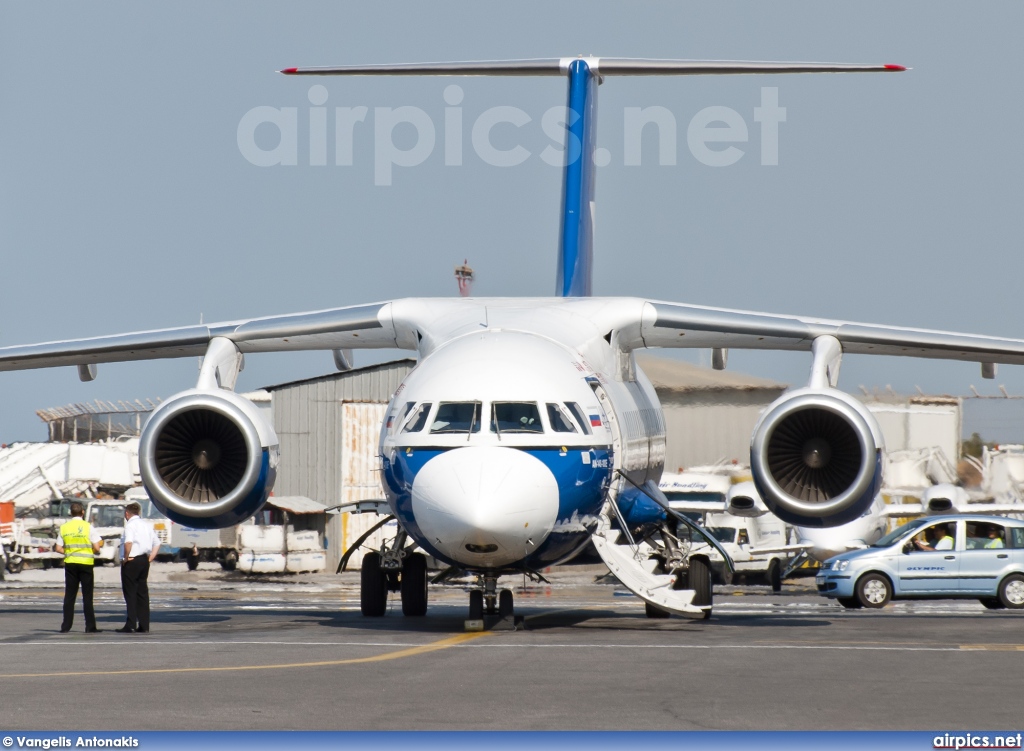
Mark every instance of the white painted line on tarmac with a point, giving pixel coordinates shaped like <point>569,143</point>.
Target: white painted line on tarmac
<point>120,644</point>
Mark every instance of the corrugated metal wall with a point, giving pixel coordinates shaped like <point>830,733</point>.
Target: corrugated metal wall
<point>705,432</point>
<point>310,425</point>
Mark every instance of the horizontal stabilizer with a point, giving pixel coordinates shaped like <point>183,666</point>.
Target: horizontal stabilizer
<point>601,66</point>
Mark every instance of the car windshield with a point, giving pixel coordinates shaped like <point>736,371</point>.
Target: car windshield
<point>515,417</point>
<point>723,534</point>
<point>149,510</point>
<point>899,532</point>
<point>107,516</point>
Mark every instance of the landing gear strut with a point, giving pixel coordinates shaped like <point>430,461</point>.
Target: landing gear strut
<point>487,600</point>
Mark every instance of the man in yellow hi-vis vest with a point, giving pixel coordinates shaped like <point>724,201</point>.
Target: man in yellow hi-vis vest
<point>79,543</point>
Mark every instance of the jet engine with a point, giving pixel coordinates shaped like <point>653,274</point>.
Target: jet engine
<point>816,457</point>
<point>207,458</point>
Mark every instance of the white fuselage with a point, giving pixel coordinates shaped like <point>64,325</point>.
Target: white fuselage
<point>499,448</point>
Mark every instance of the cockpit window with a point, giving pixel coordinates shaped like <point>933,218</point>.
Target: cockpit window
<point>394,421</point>
<point>457,417</point>
<point>515,417</point>
<point>560,422</point>
<point>418,419</point>
<point>580,416</point>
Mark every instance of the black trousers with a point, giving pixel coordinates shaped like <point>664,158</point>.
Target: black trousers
<point>134,585</point>
<point>75,574</point>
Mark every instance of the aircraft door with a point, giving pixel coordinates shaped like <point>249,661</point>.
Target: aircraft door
<point>931,571</point>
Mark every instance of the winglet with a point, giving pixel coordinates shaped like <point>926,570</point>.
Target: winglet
<point>887,67</point>
<point>293,71</point>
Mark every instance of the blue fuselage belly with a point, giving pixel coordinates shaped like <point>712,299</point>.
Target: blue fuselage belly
<point>582,475</point>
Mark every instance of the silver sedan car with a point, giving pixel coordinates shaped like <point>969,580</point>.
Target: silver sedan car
<point>962,556</point>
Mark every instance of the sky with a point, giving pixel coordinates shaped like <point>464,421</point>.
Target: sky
<point>127,203</point>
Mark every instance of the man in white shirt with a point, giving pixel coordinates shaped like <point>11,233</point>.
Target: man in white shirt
<point>139,547</point>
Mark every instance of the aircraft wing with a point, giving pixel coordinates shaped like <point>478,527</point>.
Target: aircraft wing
<point>992,508</point>
<point>356,327</point>
<point>697,507</point>
<point>902,509</point>
<point>798,548</point>
<point>666,324</point>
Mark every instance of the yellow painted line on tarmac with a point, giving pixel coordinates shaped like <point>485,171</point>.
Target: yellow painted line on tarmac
<point>992,647</point>
<point>451,641</point>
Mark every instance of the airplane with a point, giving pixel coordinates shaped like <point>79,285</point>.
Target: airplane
<point>526,430</point>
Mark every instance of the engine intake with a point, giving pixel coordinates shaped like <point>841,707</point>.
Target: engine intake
<point>208,459</point>
<point>816,458</point>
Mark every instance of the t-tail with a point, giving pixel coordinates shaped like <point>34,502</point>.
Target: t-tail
<point>576,236</point>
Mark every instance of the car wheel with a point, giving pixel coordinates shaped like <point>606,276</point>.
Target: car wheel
<point>373,587</point>
<point>849,602</point>
<point>992,603</point>
<point>1011,591</point>
<point>873,591</point>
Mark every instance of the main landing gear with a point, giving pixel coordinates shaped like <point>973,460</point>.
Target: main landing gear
<point>393,569</point>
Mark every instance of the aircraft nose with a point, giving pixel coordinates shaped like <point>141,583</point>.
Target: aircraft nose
<point>485,506</point>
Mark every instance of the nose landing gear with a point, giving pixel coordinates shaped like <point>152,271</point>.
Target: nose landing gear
<point>491,608</point>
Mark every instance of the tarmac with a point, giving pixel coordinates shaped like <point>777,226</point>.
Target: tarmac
<point>233,652</point>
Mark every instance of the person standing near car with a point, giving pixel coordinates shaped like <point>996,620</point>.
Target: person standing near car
<point>79,543</point>
<point>138,549</point>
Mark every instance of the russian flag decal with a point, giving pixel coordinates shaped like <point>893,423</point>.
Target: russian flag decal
<point>391,419</point>
<point>595,421</point>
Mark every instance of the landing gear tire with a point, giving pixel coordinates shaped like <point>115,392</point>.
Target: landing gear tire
<point>373,587</point>
<point>476,605</point>
<point>506,604</point>
<point>655,612</point>
<point>699,580</point>
<point>992,603</point>
<point>874,591</point>
<point>414,585</point>
<point>1011,591</point>
<point>15,564</point>
<point>774,575</point>
<point>230,562</point>
<point>851,603</point>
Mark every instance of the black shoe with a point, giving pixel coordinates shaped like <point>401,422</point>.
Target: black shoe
<point>125,630</point>
<point>64,630</point>
<point>94,631</point>
<point>142,630</point>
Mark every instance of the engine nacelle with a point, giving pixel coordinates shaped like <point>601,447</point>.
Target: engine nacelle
<point>816,458</point>
<point>744,500</point>
<point>945,499</point>
<point>208,459</point>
